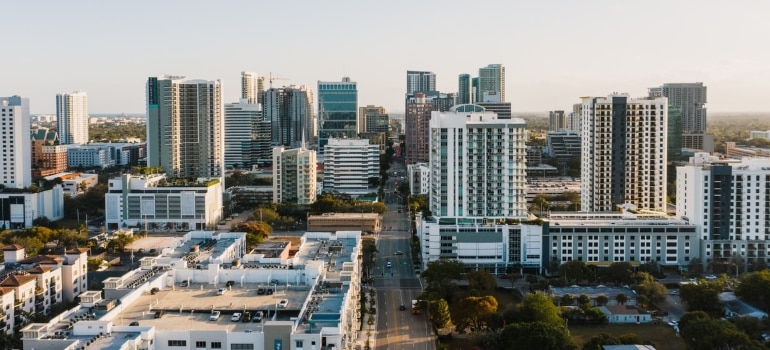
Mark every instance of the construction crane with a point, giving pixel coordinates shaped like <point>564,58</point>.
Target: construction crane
<point>270,79</point>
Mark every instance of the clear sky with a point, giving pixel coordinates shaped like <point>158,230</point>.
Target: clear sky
<point>554,51</point>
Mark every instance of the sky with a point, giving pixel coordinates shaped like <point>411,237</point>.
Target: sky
<point>554,51</point>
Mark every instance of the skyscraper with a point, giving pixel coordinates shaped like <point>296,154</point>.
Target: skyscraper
<point>420,81</point>
<point>16,150</point>
<point>294,175</point>
<point>337,110</point>
<point>623,152</point>
<point>290,112</point>
<point>252,87</point>
<point>417,129</point>
<point>247,135</point>
<point>185,121</point>
<point>350,166</point>
<point>477,163</point>
<point>463,89</point>
<point>491,83</point>
<point>556,121</point>
<point>373,119</point>
<point>72,117</point>
<point>691,98</point>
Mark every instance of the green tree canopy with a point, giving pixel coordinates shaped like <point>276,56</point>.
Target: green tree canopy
<point>535,335</point>
<point>703,296</point>
<point>573,270</point>
<point>755,287</point>
<point>707,333</point>
<point>481,280</point>
<point>472,312</point>
<point>619,273</point>
<point>651,291</point>
<point>538,307</point>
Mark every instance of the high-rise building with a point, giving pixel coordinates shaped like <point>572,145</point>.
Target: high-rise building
<point>477,162</point>
<point>72,117</point>
<point>556,121</point>
<point>185,126</point>
<point>725,198</point>
<point>417,130</point>
<point>16,149</point>
<point>17,100</point>
<point>290,112</point>
<point>294,175</point>
<point>691,98</point>
<point>475,95</point>
<point>337,111</point>
<point>373,119</point>
<point>491,83</point>
<point>350,166</point>
<point>463,89</point>
<point>623,153</point>
<point>252,87</point>
<point>247,135</point>
<point>420,81</point>
<point>575,117</point>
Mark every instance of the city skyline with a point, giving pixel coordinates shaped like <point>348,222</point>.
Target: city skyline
<point>553,53</point>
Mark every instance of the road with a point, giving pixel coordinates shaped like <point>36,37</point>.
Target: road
<point>397,285</point>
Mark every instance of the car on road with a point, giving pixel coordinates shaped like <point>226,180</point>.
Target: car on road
<point>388,265</point>
<point>711,277</point>
<point>398,252</point>
<point>183,284</point>
<point>260,291</point>
<point>236,317</point>
<point>221,291</point>
<point>246,317</point>
<point>214,315</point>
<point>402,307</point>
<point>283,303</point>
<point>269,291</point>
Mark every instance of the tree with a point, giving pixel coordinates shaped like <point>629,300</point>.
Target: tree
<point>602,300</point>
<point>619,273</point>
<point>535,335</point>
<point>652,291</point>
<point>752,326</point>
<point>439,276</point>
<point>537,307</point>
<point>597,342</point>
<point>256,232</point>
<point>572,270</point>
<point>439,312</point>
<point>755,287</point>
<point>481,280</point>
<point>584,301</point>
<point>94,263</point>
<point>703,296</point>
<point>567,300</point>
<point>621,298</point>
<point>471,312</point>
<point>708,333</point>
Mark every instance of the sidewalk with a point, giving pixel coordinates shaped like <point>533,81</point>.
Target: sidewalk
<point>368,331</point>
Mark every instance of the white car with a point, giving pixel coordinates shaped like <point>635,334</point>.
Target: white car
<point>236,317</point>
<point>214,315</point>
<point>283,303</point>
<point>221,291</point>
<point>388,265</point>
<point>673,323</point>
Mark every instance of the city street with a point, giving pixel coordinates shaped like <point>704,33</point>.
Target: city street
<point>398,284</point>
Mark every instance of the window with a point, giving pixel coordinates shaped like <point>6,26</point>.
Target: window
<point>298,344</point>
<point>200,344</point>
<point>241,346</point>
<point>177,343</point>
<point>216,345</point>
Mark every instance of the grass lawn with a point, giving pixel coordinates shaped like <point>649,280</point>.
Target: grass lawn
<point>661,335</point>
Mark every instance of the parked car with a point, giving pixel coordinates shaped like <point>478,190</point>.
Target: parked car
<point>258,316</point>
<point>183,284</point>
<point>283,303</point>
<point>269,291</point>
<point>221,291</point>
<point>402,307</point>
<point>246,317</point>
<point>158,314</point>
<point>388,265</point>
<point>154,290</point>
<point>398,252</point>
<point>214,315</point>
<point>135,323</point>
<point>260,291</point>
<point>236,317</point>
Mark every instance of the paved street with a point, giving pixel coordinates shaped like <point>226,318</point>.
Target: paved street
<point>397,285</point>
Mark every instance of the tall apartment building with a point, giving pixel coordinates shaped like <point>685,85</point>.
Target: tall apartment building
<point>185,125</point>
<point>373,119</point>
<point>691,98</point>
<point>557,121</point>
<point>623,152</point>
<point>247,135</point>
<point>575,117</point>
<point>337,111</point>
<point>290,112</point>
<point>15,147</point>
<point>252,87</point>
<point>727,199</point>
<point>417,129</point>
<point>478,165</point>
<point>17,100</point>
<point>420,81</point>
<point>491,82</point>
<point>350,165</point>
<point>72,117</point>
<point>463,89</point>
<point>294,175</point>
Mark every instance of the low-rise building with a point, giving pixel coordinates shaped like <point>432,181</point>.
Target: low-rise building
<point>611,293</point>
<point>88,156</point>
<point>157,203</point>
<point>419,178</point>
<point>75,184</point>
<point>365,222</point>
<point>619,314</point>
<point>20,208</point>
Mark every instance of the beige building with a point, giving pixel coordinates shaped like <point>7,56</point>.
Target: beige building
<point>365,222</point>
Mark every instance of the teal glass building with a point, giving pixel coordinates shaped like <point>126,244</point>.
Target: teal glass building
<point>337,111</point>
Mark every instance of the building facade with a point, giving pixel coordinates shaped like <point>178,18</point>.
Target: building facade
<point>416,136</point>
<point>350,165</point>
<point>72,117</point>
<point>624,152</point>
<point>15,147</point>
<point>691,98</point>
<point>563,144</point>
<point>420,81</point>
<point>290,112</point>
<point>294,176</point>
<point>247,135</point>
<point>155,203</point>
<point>185,127</point>
<point>252,87</point>
<point>491,83</point>
<point>419,179</point>
<point>20,210</point>
<point>337,111</point>
<point>557,120</point>
<point>90,156</point>
<point>373,119</point>
<point>463,89</point>
<point>478,164</point>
